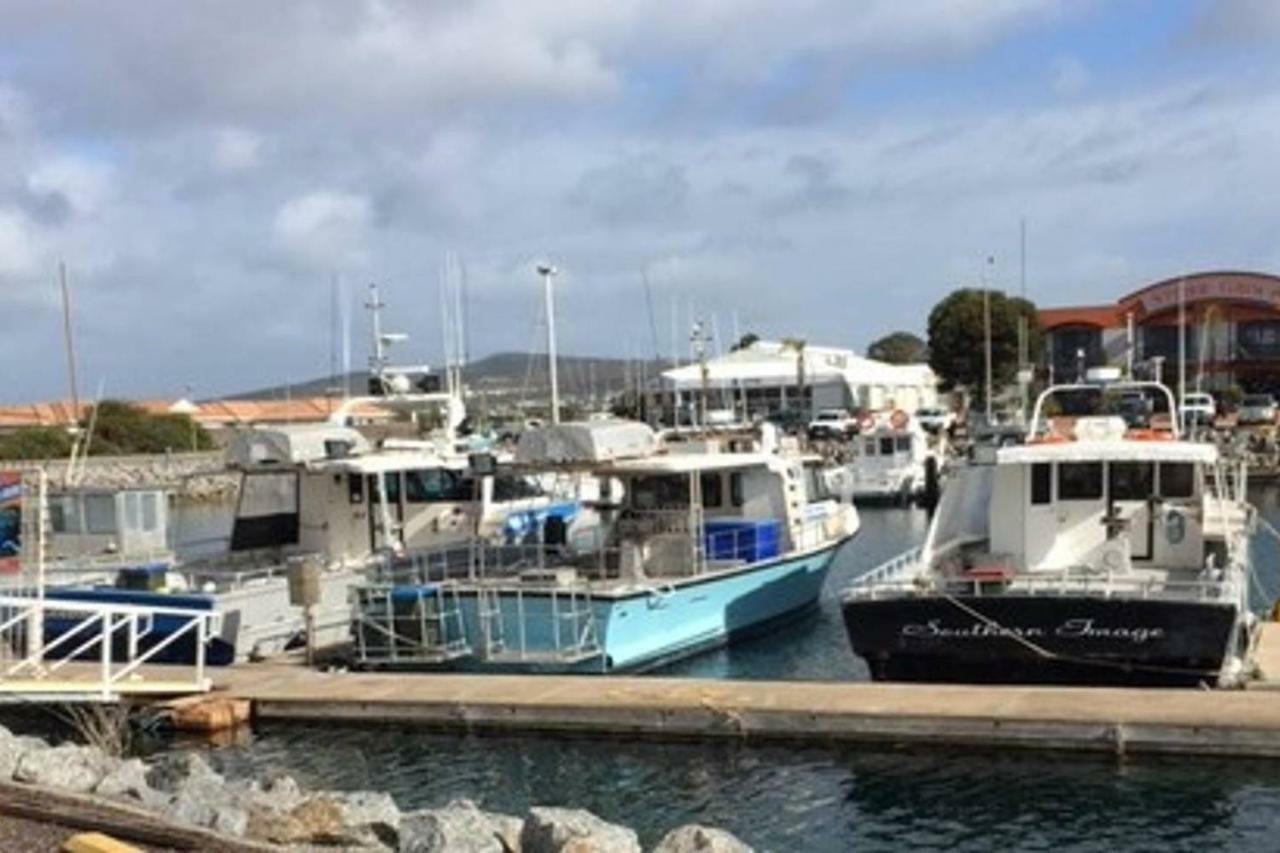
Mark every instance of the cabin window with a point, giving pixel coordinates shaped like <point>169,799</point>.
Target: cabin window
<point>1132,481</point>
<point>1079,481</point>
<point>433,485</point>
<point>886,446</point>
<point>1041,483</point>
<point>1177,480</point>
<point>100,514</point>
<point>660,492</point>
<point>869,448</point>
<point>815,485</point>
<point>735,489</point>
<point>63,517</point>
<point>393,487</point>
<point>355,488</point>
<point>712,496</point>
<point>903,443</point>
<point>150,513</point>
<point>507,487</point>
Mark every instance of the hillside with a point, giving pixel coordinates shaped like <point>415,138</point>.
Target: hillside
<point>501,373</point>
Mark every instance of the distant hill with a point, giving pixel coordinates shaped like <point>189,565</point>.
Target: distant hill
<point>501,374</point>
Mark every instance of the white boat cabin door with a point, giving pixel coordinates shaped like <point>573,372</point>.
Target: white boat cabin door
<point>1130,489</point>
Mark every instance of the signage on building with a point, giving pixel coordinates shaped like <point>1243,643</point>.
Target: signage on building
<point>10,520</point>
<point>1229,288</point>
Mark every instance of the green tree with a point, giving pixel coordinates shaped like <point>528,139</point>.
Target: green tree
<point>899,348</point>
<point>121,428</point>
<point>745,341</point>
<point>35,443</point>
<point>956,339</point>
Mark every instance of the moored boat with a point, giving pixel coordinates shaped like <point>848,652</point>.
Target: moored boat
<point>697,544</point>
<point>1093,554</point>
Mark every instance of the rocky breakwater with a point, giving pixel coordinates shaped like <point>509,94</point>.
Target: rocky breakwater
<point>192,476</point>
<point>183,789</point>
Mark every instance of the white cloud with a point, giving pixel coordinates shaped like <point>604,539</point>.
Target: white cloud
<point>83,184</point>
<point>323,229</point>
<point>21,250</point>
<point>236,149</point>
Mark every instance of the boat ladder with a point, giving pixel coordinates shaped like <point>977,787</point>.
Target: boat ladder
<point>409,624</point>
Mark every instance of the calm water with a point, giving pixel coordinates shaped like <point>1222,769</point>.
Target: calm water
<point>824,799</point>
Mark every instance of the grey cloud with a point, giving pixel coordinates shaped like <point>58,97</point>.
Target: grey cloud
<point>630,191</point>
<point>1235,22</point>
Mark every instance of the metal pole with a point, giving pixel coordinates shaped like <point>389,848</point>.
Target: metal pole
<point>986,324</point>
<point>547,272</point>
<point>1182,347</point>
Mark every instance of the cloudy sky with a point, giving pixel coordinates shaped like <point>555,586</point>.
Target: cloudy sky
<point>815,168</point>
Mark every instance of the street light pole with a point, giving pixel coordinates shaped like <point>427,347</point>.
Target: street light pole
<point>548,272</point>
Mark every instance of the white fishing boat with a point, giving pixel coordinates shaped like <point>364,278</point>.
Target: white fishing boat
<point>891,460</point>
<point>1093,554</point>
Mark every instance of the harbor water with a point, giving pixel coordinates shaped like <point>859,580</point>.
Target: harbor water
<point>789,799</point>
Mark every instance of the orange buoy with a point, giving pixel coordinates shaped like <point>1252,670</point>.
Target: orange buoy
<point>898,419</point>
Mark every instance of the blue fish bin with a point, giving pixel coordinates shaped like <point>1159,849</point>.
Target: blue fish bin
<point>745,539</point>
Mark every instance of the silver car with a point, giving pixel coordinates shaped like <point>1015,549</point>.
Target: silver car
<point>1257,409</point>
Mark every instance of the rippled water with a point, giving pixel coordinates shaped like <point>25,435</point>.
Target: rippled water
<point>779,798</point>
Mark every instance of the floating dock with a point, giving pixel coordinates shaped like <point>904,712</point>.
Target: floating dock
<point>1243,723</point>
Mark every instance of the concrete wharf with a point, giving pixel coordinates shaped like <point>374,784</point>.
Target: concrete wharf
<point>1244,723</point>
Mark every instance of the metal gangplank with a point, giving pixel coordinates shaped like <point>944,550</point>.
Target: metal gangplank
<point>57,650</point>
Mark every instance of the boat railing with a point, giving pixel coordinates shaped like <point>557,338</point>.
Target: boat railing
<point>890,571</point>
<point>95,649</point>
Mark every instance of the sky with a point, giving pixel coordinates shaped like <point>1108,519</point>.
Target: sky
<point>815,169</point>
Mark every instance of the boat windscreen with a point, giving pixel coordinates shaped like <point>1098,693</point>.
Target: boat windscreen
<point>267,516</point>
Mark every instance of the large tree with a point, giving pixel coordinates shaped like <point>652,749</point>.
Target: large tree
<point>898,348</point>
<point>956,339</point>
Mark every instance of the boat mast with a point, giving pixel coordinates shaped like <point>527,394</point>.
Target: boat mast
<point>986,325</point>
<point>547,271</point>
<point>378,358</point>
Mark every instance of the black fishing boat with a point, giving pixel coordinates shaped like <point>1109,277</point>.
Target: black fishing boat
<point>1092,554</point>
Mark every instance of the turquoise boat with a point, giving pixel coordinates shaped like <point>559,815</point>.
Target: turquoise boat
<point>689,547</point>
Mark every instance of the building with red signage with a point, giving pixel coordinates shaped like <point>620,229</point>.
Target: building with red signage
<point>1232,331</point>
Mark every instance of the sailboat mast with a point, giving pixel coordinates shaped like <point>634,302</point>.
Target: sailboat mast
<point>548,272</point>
<point>69,340</point>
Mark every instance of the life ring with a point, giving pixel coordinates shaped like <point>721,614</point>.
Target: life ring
<point>1147,435</point>
<point>898,419</point>
<point>866,421</point>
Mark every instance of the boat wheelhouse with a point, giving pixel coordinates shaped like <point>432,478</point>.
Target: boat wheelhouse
<point>696,543</point>
<point>1093,554</point>
<point>892,460</point>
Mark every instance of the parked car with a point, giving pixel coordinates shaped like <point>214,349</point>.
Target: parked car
<point>833,423</point>
<point>1257,409</point>
<point>1198,408</point>
<point>936,420</point>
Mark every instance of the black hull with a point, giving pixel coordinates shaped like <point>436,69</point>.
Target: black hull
<point>1012,639</point>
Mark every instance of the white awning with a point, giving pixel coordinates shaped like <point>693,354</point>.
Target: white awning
<point>1117,450</point>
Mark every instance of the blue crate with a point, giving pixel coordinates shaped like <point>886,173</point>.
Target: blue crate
<point>746,539</point>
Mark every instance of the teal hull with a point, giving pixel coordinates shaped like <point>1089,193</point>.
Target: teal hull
<point>633,631</point>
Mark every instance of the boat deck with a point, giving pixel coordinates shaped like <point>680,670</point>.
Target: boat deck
<point>1244,723</point>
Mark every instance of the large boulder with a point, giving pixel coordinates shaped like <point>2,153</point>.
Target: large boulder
<point>694,838</point>
<point>176,772</point>
<point>555,830</point>
<point>128,782</point>
<point>12,748</point>
<point>355,820</point>
<point>68,767</point>
<point>459,827</point>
